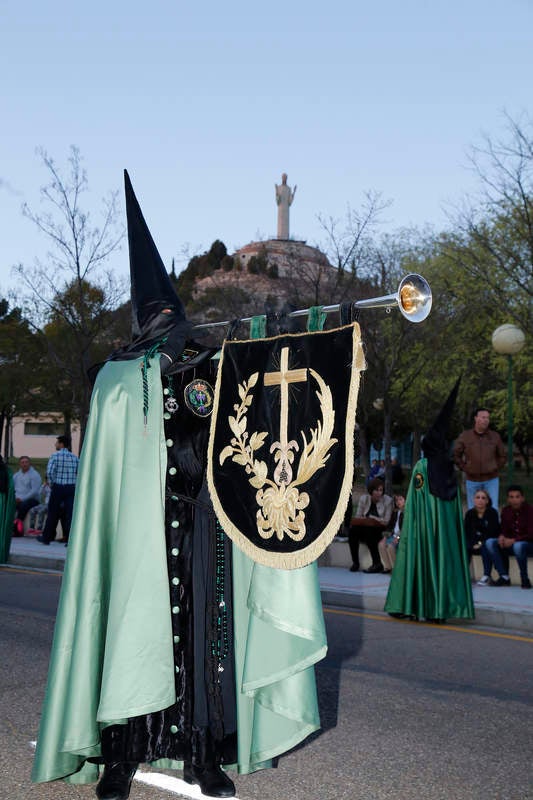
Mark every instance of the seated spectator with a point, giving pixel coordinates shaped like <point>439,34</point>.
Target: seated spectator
<point>391,537</point>
<point>372,517</point>
<point>481,524</point>
<point>27,484</point>
<point>516,538</point>
<point>38,513</point>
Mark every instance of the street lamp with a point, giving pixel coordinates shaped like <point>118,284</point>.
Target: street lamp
<point>508,340</point>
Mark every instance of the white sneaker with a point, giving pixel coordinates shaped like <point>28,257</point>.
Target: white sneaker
<point>484,581</point>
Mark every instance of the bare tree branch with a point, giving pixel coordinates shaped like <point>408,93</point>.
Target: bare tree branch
<point>69,297</point>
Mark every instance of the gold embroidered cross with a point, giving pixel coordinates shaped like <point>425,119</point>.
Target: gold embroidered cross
<point>282,379</point>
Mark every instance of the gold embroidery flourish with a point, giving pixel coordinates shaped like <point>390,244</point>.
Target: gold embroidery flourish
<point>281,504</point>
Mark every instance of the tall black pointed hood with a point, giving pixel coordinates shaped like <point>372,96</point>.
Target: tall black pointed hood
<point>157,313</point>
<point>153,300</point>
<point>436,447</point>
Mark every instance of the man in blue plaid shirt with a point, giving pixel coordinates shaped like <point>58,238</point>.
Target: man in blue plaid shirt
<point>61,473</point>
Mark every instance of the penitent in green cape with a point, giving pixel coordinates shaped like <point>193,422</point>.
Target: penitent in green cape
<point>431,577</point>
<point>112,655</point>
<point>159,656</point>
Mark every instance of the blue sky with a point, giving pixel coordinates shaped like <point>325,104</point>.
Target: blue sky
<point>206,104</point>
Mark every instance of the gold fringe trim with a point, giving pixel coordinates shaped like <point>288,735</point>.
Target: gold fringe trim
<point>305,556</point>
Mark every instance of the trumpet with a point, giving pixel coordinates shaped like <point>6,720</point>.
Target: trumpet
<point>413,298</point>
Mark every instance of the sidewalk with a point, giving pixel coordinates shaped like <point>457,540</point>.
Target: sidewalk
<point>496,607</point>
<point>508,608</point>
<point>25,551</point>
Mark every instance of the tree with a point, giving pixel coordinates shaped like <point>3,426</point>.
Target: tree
<point>369,265</point>
<point>395,358</point>
<point>79,332</point>
<point>20,358</point>
<point>456,341</point>
<point>258,265</point>
<point>349,241</point>
<point>493,236</point>
<point>200,266</point>
<point>69,295</point>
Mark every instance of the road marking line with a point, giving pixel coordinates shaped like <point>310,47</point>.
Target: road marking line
<point>167,782</point>
<point>385,618</point>
<point>32,570</point>
<point>173,785</point>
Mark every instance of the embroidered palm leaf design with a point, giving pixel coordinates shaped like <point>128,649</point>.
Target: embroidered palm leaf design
<point>241,449</point>
<point>281,505</point>
<point>315,453</point>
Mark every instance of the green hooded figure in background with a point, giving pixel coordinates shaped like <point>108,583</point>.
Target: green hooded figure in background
<point>431,577</point>
<point>7,510</point>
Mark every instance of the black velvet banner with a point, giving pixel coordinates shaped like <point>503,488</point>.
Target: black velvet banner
<point>281,459</point>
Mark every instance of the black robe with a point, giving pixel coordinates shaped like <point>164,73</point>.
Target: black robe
<point>200,727</point>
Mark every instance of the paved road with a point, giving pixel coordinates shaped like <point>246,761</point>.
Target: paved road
<point>410,711</point>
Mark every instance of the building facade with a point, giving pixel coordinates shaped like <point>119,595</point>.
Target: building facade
<point>35,436</point>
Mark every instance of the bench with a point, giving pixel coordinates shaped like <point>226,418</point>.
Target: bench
<point>476,569</point>
<point>338,555</point>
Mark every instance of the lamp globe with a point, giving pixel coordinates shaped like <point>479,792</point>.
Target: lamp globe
<point>508,340</point>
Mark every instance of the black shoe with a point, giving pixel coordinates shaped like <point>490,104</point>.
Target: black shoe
<point>374,568</point>
<point>212,781</point>
<point>354,568</point>
<point>116,781</point>
<point>41,540</point>
<point>526,583</point>
<point>501,582</point>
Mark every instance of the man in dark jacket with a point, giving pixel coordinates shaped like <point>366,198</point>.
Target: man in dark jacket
<point>480,454</point>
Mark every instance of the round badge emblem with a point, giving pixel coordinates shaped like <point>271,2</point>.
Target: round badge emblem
<point>419,480</point>
<point>198,395</point>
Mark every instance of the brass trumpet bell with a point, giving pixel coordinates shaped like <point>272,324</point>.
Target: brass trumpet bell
<point>413,297</point>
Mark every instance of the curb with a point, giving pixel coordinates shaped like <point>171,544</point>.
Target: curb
<point>485,617</point>
<point>36,562</point>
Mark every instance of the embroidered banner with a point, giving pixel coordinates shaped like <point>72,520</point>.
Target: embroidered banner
<point>281,459</point>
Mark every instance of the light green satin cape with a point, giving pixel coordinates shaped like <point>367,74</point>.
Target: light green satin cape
<point>7,515</point>
<point>279,636</point>
<point>431,576</point>
<point>112,654</point>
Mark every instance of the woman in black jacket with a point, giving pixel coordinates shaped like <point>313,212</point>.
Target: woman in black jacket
<point>481,523</point>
